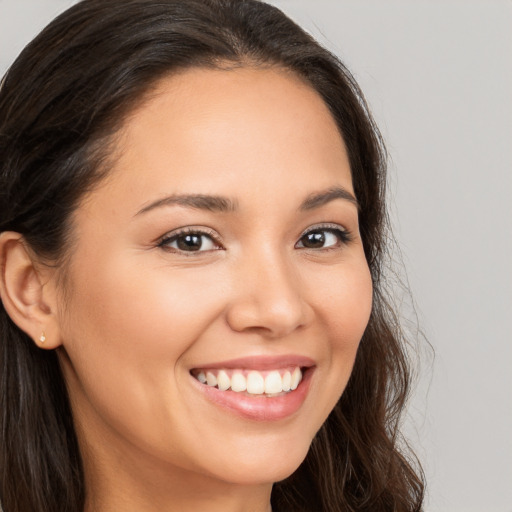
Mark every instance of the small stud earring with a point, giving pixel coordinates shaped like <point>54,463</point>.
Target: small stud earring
<point>42,338</point>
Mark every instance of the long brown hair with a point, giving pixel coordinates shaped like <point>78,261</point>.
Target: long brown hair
<point>61,104</point>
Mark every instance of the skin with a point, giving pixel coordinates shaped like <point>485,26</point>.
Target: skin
<point>137,316</point>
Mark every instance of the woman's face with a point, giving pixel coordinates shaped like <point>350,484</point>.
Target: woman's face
<point>225,246</point>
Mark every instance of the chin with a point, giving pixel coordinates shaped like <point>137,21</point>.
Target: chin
<point>263,466</point>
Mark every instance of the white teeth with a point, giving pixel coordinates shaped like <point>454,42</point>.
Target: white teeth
<point>296,378</point>
<point>238,382</point>
<point>223,381</point>
<point>211,379</point>
<point>287,381</point>
<point>273,383</point>
<point>255,383</point>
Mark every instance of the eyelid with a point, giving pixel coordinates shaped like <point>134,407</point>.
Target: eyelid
<point>333,228</point>
<point>162,242</point>
<point>326,226</point>
<point>189,230</point>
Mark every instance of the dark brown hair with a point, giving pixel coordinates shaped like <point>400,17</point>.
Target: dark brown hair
<point>61,103</point>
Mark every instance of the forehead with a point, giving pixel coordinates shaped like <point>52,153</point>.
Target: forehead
<point>226,131</point>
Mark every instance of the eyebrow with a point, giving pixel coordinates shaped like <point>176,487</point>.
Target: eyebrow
<point>223,204</point>
<point>195,201</point>
<point>318,199</point>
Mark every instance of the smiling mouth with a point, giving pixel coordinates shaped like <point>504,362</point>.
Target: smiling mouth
<point>268,383</point>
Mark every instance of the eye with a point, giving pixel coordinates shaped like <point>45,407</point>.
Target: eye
<point>323,237</point>
<point>190,240</point>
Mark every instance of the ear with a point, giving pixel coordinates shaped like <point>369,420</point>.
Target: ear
<point>27,291</point>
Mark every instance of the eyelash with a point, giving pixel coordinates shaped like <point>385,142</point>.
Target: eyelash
<point>344,237</point>
<point>172,237</point>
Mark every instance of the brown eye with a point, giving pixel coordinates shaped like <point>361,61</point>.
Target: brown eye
<point>313,240</point>
<point>323,238</point>
<point>189,242</point>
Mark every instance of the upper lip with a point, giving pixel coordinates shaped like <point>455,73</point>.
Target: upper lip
<point>259,362</point>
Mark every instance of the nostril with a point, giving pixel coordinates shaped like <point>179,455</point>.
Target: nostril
<point>266,322</point>
<point>268,299</point>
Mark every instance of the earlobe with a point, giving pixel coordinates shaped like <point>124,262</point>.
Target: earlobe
<point>24,294</point>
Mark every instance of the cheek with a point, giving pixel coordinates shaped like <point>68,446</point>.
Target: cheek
<point>345,313</point>
<point>133,306</point>
<point>128,326</point>
<point>347,305</point>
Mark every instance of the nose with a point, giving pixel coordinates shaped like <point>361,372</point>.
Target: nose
<point>269,299</point>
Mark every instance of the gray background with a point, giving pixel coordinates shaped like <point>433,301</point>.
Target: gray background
<point>438,76</point>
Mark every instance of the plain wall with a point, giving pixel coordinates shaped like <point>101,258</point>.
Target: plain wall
<point>438,77</point>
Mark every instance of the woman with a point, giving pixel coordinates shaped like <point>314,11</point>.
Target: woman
<point>192,229</point>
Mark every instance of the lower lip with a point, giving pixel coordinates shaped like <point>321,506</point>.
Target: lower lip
<point>259,407</point>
